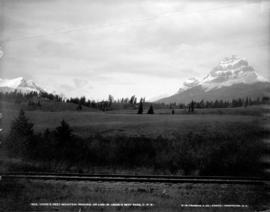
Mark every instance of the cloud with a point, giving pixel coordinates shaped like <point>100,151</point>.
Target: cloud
<point>81,83</point>
<point>97,47</point>
<point>1,53</point>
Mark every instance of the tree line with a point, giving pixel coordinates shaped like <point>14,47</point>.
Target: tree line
<point>19,97</point>
<point>239,102</point>
<point>35,99</point>
<point>104,105</point>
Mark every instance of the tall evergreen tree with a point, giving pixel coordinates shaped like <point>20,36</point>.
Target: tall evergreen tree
<point>192,106</point>
<point>140,110</point>
<point>150,110</point>
<point>110,99</point>
<point>65,144</point>
<point>63,132</point>
<point>20,138</point>
<point>246,102</point>
<point>79,107</point>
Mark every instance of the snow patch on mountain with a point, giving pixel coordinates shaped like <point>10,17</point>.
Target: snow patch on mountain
<point>189,83</point>
<point>155,98</point>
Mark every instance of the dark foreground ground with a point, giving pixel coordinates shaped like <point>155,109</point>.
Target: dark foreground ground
<point>17,195</point>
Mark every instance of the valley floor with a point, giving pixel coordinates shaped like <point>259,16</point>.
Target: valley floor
<point>127,122</point>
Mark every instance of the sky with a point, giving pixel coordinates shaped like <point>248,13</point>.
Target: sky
<point>146,48</point>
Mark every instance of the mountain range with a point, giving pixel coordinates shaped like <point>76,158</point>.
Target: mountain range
<point>232,78</point>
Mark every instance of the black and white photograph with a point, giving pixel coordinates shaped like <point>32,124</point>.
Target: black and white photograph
<point>134,105</point>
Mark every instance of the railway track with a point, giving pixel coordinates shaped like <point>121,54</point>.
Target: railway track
<point>136,178</point>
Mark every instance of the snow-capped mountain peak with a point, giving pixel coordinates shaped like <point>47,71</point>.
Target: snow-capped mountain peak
<point>231,70</point>
<point>19,84</point>
<point>230,62</point>
<point>232,78</point>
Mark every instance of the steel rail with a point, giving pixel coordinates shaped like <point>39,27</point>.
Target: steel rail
<point>136,178</point>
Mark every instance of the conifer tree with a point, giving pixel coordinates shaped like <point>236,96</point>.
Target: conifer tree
<point>63,132</point>
<point>150,110</point>
<point>140,110</point>
<point>20,139</point>
<point>65,144</point>
<point>79,107</point>
<point>246,102</point>
<point>192,106</point>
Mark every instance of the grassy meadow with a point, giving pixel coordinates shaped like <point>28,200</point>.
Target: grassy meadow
<point>127,122</point>
<point>227,141</point>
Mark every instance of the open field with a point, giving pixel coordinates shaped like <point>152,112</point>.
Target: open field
<point>226,143</point>
<point>16,195</point>
<point>131,124</point>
